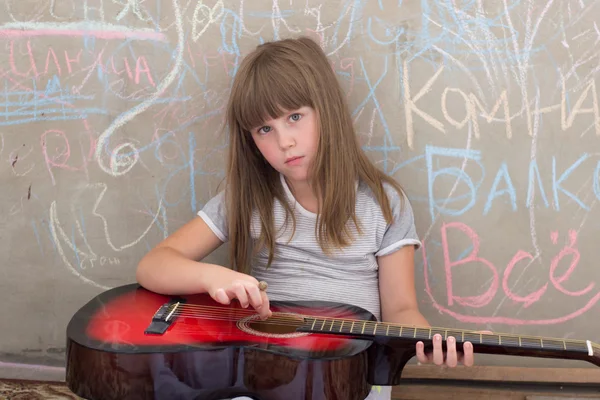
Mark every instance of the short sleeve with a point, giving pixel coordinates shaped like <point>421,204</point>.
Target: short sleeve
<point>214,213</point>
<point>401,231</point>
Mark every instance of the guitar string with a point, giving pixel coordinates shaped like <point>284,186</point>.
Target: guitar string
<point>248,312</point>
<point>298,323</point>
<point>273,321</point>
<point>369,324</point>
<point>295,322</point>
<point>193,328</point>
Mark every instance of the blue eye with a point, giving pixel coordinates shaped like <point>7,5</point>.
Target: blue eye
<point>264,129</point>
<point>295,117</point>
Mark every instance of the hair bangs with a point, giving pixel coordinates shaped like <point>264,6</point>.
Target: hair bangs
<point>273,88</point>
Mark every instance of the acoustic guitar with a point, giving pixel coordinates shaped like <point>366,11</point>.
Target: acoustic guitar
<point>131,343</point>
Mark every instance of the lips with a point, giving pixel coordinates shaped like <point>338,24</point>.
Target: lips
<point>292,159</point>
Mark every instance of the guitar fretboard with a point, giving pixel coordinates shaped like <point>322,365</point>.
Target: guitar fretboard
<point>370,329</point>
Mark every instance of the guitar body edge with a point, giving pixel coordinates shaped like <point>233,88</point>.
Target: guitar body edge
<point>213,375</point>
<point>205,356</point>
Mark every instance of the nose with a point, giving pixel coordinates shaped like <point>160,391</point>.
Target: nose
<point>286,139</point>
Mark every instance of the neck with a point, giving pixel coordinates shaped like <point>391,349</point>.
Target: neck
<point>507,344</point>
<point>304,194</point>
<point>300,188</point>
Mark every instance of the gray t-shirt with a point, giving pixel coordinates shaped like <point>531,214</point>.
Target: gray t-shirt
<point>301,271</point>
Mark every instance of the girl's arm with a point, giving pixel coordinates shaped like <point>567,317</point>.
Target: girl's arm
<point>175,267</point>
<point>399,305</point>
<point>397,288</point>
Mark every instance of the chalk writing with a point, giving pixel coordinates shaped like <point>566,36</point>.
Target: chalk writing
<point>90,11</point>
<point>475,109</point>
<point>87,259</point>
<point>58,64</point>
<point>75,29</point>
<point>205,16</point>
<point>91,262</point>
<point>122,163</point>
<point>590,294</point>
<point>502,186</point>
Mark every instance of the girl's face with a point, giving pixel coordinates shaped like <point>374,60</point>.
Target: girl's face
<point>289,143</point>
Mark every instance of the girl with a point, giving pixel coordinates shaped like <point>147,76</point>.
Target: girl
<point>303,207</point>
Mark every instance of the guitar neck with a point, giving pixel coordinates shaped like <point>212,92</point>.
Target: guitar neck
<point>482,342</point>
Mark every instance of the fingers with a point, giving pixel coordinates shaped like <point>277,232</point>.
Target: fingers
<point>254,296</point>
<point>421,357</point>
<point>438,352</point>
<point>221,297</point>
<point>238,290</point>
<point>258,299</point>
<point>468,354</point>
<point>451,357</point>
<point>248,294</point>
<point>265,308</point>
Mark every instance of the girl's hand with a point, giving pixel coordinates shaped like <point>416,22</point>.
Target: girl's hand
<point>450,358</point>
<point>235,285</point>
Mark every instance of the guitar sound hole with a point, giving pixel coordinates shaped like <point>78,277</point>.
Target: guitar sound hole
<point>281,325</point>
<point>272,328</point>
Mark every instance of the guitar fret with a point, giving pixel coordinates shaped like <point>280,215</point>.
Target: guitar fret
<point>510,340</point>
<point>421,333</point>
<point>334,325</point>
<point>323,325</point>
<point>394,330</point>
<point>456,334</point>
<point>345,328</point>
<point>375,328</point>
<point>490,339</point>
<point>554,344</point>
<point>576,346</point>
<point>472,337</point>
<point>529,342</point>
<point>409,332</point>
<point>315,325</point>
<point>363,328</point>
<point>436,331</point>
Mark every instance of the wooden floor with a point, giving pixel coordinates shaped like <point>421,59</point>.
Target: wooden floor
<point>428,393</point>
<point>495,383</point>
<point>420,383</point>
<point>35,390</point>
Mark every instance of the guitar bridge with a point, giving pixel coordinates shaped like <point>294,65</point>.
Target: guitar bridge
<point>163,317</point>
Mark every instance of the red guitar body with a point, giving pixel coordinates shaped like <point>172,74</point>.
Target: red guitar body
<point>211,351</point>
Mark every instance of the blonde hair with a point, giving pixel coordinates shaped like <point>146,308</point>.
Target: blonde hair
<point>286,75</point>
